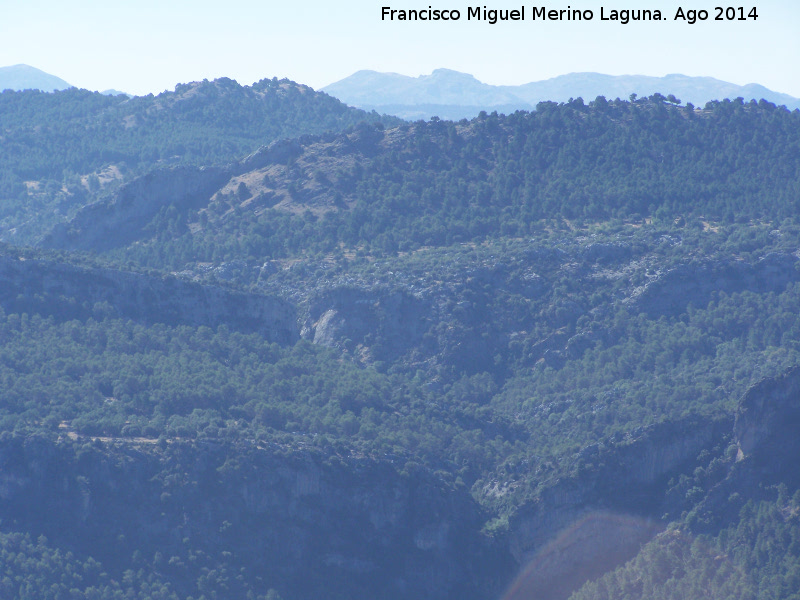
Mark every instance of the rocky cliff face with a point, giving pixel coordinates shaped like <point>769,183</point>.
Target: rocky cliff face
<point>595,543</point>
<point>582,526</point>
<point>694,284</point>
<point>296,522</point>
<point>381,323</point>
<point>768,422</point>
<point>766,436</point>
<point>278,152</point>
<point>69,292</point>
<point>119,221</point>
<point>124,218</point>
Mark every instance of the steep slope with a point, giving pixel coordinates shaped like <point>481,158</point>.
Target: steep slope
<point>435,183</point>
<point>62,149</point>
<point>67,292</point>
<point>440,360</point>
<point>294,523</point>
<point>452,418</point>
<point>741,540</point>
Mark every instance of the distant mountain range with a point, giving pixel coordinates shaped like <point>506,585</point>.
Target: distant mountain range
<point>113,92</point>
<point>454,95</point>
<point>25,77</point>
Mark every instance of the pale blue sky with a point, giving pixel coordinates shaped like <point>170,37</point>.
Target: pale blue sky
<point>148,46</point>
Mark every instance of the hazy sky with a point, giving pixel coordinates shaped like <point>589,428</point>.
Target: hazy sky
<point>149,46</point>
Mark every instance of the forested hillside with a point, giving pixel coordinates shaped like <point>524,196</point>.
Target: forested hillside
<point>60,149</point>
<point>439,183</point>
<point>523,356</point>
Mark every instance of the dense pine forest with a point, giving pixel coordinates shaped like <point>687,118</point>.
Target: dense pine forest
<point>255,344</point>
<point>62,148</point>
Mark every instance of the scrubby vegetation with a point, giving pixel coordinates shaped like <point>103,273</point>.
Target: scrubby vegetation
<point>487,310</point>
<point>440,183</point>
<point>63,148</point>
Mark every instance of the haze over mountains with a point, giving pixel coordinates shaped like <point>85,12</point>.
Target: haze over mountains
<point>24,77</point>
<point>453,95</point>
<point>256,344</point>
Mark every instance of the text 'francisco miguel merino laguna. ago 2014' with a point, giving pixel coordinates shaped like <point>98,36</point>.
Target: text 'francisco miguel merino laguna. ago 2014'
<point>542,13</point>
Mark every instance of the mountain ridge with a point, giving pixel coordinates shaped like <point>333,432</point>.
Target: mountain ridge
<point>454,95</point>
<point>100,141</point>
<point>24,77</point>
<point>388,360</point>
